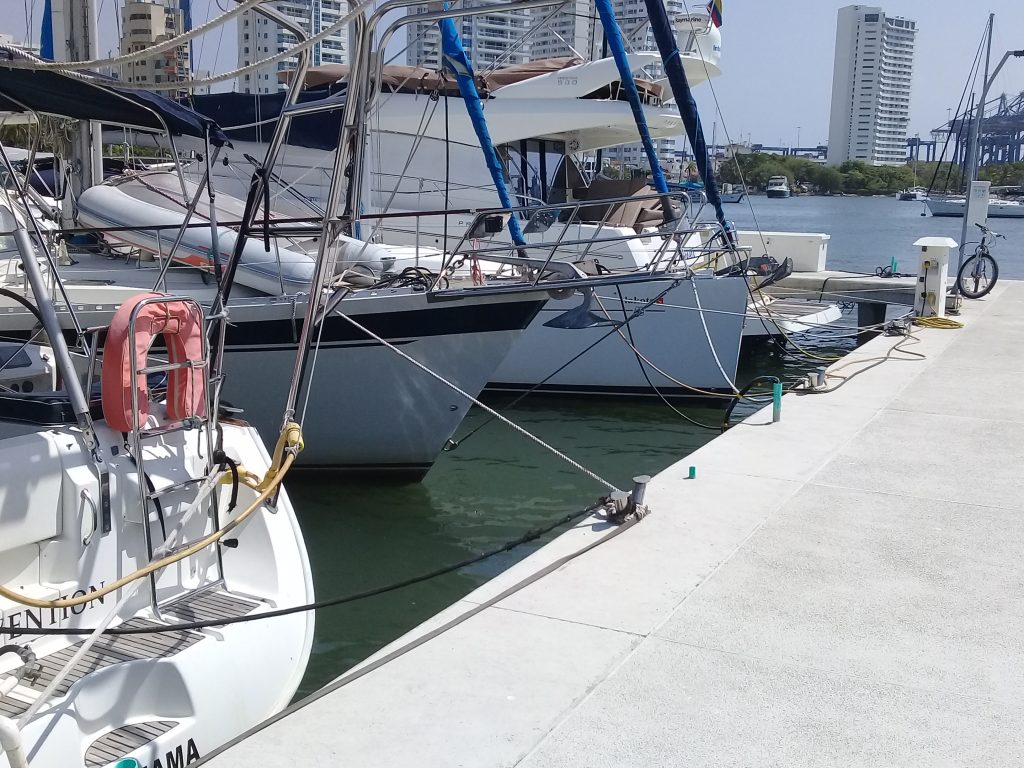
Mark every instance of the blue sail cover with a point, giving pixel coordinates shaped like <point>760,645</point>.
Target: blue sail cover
<point>618,48</point>
<point>666,39</point>
<point>46,33</point>
<point>457,62</point>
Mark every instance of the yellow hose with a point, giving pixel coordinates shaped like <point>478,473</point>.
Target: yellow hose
<point>291,437</point>
<point>938,322</point>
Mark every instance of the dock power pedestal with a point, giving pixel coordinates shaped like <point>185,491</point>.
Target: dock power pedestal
<point>932,275</point>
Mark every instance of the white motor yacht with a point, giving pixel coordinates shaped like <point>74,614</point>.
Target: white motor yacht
<point>778,186</point>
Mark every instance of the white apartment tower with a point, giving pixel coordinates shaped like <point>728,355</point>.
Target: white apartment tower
<point>572,30</point>
<point>259,39</point>
<point>490,40</point>
<point>145,23</point>
<point>871,87</point>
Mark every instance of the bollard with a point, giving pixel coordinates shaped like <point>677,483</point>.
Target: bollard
<point>127,762</point>
<point>693,474</point>
<point>639,488</point>
<point>776,401</point>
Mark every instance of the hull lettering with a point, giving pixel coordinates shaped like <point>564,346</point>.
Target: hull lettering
<point>20,623</point>
<point>178,757</point>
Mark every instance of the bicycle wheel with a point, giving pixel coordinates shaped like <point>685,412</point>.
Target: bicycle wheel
<point>977,276</point>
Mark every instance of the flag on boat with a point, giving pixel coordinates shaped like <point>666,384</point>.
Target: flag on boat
<point>715,12</point>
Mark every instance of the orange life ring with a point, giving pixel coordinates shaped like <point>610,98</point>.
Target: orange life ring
<point>181,323</point>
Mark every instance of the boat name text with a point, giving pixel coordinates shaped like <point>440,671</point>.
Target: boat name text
<point>13,624</point>
<point>178,757</point>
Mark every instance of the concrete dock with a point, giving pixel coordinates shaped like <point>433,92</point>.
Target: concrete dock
<point>842,588</point>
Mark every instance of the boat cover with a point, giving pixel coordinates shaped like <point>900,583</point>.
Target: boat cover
<point>405,79</point>
<point>96,98</point>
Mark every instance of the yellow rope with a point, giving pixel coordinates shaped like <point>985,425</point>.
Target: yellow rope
<point>938,322</point>
<point>291,437</point>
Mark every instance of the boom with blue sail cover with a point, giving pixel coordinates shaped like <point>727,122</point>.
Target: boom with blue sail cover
<point>669,50</point>
<point>457,62</point>
<point>613,36</point>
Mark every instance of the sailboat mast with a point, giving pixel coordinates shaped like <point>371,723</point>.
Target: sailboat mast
<point>75,37</point>
<point>973,144</point>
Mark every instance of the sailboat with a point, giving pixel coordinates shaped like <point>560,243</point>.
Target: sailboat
<point>956,206</point>
<point>425,183</point>
<point>143,533</point>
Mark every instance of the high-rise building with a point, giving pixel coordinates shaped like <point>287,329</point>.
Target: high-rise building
<point>571,30</point>
<point>145,23</point>
<point>491,40</point>
<point>871,87</point>
<point>260,38</point>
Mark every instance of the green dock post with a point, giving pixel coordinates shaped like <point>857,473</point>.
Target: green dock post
<point>776,401</point>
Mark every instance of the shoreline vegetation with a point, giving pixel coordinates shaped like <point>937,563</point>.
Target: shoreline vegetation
<point>858,178</point>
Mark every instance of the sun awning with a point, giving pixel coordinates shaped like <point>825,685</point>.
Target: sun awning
<point>63,94</point>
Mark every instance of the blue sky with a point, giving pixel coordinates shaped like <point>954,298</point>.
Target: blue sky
<point>777,59</point>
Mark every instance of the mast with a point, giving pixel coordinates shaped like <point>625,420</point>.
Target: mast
<point>668,47</point>
<point>74,38</point>
<point>613,38</point>
<point>973,142</point>
<point>459,64</point>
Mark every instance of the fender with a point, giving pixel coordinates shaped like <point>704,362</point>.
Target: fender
<point>181,323</point>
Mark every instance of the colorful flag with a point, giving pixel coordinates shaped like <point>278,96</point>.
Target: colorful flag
<point>715,11</point>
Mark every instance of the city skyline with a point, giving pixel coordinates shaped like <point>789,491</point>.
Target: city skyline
<point>777,61</point>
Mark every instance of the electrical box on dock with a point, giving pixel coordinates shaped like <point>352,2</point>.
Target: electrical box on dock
<point>932,275</point>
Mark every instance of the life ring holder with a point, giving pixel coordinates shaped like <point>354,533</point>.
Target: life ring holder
<point>124,380</point>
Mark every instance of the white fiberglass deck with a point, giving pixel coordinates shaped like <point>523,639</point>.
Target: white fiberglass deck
<point>841,588</point>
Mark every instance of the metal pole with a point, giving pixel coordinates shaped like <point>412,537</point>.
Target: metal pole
<point>972,150</point>
<point>55,333</point>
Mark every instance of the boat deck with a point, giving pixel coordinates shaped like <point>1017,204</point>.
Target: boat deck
<point>833,285</point>
<point>841,588</point>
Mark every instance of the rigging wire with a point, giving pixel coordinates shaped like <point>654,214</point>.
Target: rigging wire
<point>972,77</point>
<point>453,443</point>
<point>145,53</point>
<point>331,602</point>
<point>29,61</point>
<point>508,422</point>
<point>762,305</point>
<point>643,368</point>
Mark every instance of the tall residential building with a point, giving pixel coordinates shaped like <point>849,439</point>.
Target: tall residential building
<point>871,87</point>
<point>259,39</point>
<point>145,23</point>
<point>573,29</point>
<point>488,39</point>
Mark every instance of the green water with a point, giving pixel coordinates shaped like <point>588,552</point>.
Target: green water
<point>497,485</point>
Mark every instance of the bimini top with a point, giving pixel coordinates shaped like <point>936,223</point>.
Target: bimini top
<point>404,79</point>
<point>53,92</point>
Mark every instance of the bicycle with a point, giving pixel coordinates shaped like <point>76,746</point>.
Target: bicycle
<point>979,273</point>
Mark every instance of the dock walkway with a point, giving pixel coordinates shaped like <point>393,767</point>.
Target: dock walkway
<point>841,588</point>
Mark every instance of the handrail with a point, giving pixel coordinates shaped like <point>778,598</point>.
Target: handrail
<point>672,236</point>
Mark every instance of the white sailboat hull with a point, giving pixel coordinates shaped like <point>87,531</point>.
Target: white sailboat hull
<point>369,409</point>
<point>997,209</point>
<point>697,350</point>
<point>164,699</point>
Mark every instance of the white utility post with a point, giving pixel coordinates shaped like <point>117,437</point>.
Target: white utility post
<point>932,275</point>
